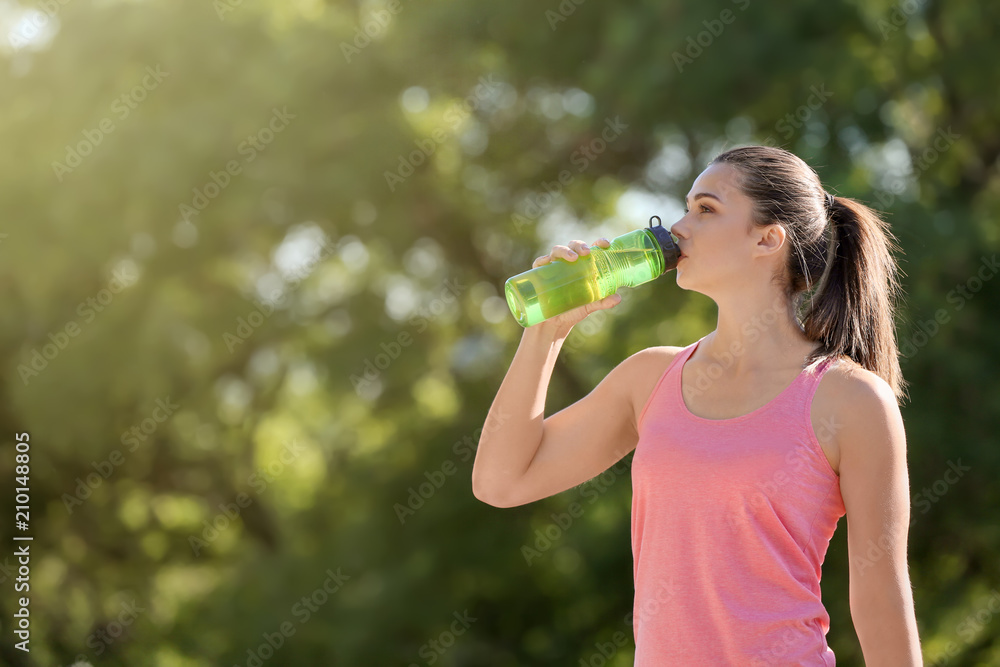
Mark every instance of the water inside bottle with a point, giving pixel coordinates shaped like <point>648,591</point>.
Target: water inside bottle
<point>535,296</point>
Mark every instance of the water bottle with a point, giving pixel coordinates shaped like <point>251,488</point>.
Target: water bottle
<point>554,288</point>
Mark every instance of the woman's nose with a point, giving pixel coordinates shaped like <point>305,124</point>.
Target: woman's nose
<point>678,229</point>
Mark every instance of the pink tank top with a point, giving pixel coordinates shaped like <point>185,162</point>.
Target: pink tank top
<point>731,520</point>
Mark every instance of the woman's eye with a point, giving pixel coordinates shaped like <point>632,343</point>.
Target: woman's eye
<point>700,207</point>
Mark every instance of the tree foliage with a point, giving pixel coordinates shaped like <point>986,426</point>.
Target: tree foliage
<point>253,266</point>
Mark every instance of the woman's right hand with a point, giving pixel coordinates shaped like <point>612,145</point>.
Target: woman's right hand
<point>564,322</point>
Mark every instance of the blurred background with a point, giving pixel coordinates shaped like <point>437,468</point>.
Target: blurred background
<point>252,264</point>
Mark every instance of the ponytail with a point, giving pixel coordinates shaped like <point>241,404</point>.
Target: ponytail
<point>852,309</point>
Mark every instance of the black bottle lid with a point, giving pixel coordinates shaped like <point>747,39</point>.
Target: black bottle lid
<point>671,253</point>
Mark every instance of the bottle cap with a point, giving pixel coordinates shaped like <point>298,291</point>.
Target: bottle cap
<point>671,253</point>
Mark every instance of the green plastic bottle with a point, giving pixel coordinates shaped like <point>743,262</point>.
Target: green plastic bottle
<point>554,288</point>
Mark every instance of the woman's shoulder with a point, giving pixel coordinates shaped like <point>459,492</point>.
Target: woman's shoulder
<point>851,380</point>
<point>660,351</point>
<point>850,404</point>
<point>854,394</point>
<point>648,360</point>
<point>645,368</point>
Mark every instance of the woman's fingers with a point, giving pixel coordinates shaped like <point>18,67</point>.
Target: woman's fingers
<point>565,252</point>
<point>569,252</point>
<point>558,251</point>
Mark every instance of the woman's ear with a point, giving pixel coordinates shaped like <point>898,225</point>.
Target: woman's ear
<point>771,239</point>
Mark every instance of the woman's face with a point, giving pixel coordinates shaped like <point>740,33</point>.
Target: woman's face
<point>714,235</point>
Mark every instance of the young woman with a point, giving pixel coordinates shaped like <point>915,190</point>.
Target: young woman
<point>751,442</point>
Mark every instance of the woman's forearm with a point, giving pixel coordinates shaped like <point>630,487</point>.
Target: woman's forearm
<point>513,428</point>
<point>886,624</point>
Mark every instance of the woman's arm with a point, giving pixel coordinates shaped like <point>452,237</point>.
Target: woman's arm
<point>514,424</point>
<point>874,484</point>
<point>523,456</point>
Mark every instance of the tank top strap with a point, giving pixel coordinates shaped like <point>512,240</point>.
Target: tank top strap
<point>675,365</point>
<point>808,382</point>
<point>686,353</point>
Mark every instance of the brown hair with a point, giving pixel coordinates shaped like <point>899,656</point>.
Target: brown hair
<point>840,257</point>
